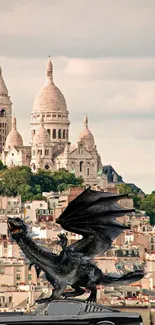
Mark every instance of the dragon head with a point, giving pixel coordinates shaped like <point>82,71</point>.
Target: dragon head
<point>17,227</point>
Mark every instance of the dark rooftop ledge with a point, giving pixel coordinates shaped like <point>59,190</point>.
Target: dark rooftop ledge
<point>71,311</point>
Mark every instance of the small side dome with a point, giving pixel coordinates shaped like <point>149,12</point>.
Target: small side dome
<point>41,136</point>
<point>14,138</point>
<point>86,136</point>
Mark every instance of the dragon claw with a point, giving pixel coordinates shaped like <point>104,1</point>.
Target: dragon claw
<point>62,241</point>
<point>62,236</point>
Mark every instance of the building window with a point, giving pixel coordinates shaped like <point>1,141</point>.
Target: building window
<point>46,152</point>
<point>81,165</point>
<point>29,276</point>
<point>54,134</point>
<point>18,276</point>
<point>59,134</point>
<point>63,134</point>
<point>34,152</point>
<point>3,113</point>
<point>53,115</point>
<point>49,131</point>
<point>66,134</point>
<point>47,167</point>
<point>59,115</point>
<point>2,271</point>
<point>81,149</point>
<point>87,171</point>
<point>40,152</point>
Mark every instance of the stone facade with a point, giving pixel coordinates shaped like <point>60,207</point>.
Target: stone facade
<point>50,147</point>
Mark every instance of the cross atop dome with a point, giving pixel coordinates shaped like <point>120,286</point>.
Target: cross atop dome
<point>49,68</point>
<point>86,121</point>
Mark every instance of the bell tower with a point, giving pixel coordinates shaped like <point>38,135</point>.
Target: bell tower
<point>5,112</point>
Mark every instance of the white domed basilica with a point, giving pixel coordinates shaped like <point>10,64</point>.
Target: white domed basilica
<point>50,146</point>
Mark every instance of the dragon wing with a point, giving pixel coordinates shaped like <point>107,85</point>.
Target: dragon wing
<point>93,215</point>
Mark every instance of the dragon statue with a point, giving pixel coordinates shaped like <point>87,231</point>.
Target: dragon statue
<point>93,216</point>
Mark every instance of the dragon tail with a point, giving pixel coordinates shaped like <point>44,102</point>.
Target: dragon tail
<point>114,279</point>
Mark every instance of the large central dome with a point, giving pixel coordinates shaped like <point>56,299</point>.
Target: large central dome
<point>49,99</point>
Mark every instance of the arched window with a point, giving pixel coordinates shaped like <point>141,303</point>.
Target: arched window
<point>88,168</point>
<point>2,112</point>
<point>81,165</point>
<point>73,167</point>
<point>80,149</point>
<point>47,166</point>
<point>66,134</point>
<point>54,134</point>
<point>49,131</point>
<point>63,134</point>
<point>33,166</point>
<point>59,134</point>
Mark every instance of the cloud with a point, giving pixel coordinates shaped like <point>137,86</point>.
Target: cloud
<point>76,29</point>
<point>91,86</point>
<point>112,68</point>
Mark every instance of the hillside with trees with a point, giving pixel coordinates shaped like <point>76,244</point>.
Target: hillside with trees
<point>144,203</point>
<point>21,181</point>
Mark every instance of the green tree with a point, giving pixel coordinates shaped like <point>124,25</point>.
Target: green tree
<point>21,181</point>
<point>2,166</point>
<point>45,179</point>
<point>124,189</point>
<point>64,177</point>
<point>148,205</point>
<point>12,178</point>
<point>26,192</point>
<point>137,200</point>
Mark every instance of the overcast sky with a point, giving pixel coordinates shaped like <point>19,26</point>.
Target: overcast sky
<point>103,52</point>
